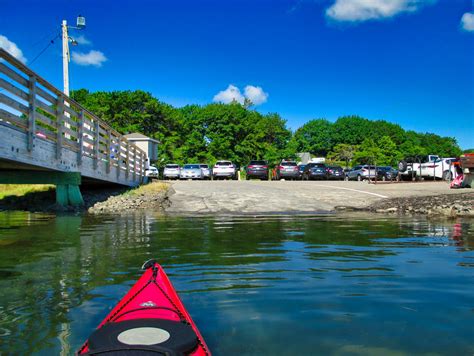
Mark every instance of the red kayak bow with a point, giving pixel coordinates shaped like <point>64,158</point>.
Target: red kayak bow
<point>149,320</point>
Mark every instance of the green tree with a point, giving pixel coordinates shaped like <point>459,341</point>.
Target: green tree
<point>368,153</point>
<point>389,155</point>
<point>316,137</point>
<point>351,130</point>
<point>343,152</point>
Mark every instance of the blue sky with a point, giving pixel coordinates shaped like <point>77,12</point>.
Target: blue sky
<point>410,62</point>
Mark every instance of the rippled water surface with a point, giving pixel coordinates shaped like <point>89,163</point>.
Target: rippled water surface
<point>254,286</point>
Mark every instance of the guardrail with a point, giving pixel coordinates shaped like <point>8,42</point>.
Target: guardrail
<point>33,105</point>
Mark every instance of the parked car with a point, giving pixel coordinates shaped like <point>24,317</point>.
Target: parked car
<point>411,167</point>
<point>335,172</point>
<point>361,172</point>
<point>386,173</point>
<point>206,171</point>
<point>315,171</point>
<point>151,172</point>
<point>257,169</point>
<point>301,168</point>
<point>171,171</point>
<point>191,171</point>
<point>287,170</point>
<point>224,169</point>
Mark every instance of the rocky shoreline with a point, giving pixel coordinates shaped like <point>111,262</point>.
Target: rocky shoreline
<point>153,196</point>
<point>448,205</point>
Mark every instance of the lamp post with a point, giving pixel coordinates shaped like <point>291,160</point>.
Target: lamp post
<point>80,24</point>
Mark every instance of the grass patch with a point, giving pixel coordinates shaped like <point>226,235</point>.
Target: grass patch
<point>20,190</point>
<point>147,189</point>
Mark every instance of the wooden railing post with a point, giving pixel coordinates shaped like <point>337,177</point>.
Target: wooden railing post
<point>80,133</point>
<point>143,164</point>
<point>127,160</point>
<point>109,151</point>
<point>119,156</point>
<point>32,113</point>
<point>59,126</point>
<point>134,163</point>
<point>96,144</point>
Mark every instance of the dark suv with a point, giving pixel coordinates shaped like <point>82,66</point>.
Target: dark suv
<point>315,171</point>
<point>336,172</point>
<point>386,173</point>
<point>257,169</point>
<point>287,170</point>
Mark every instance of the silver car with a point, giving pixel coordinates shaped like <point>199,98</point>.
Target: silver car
<point>361,172</point>
<point>191,171</point>
<point>206,171</point>
<point>171,171</point>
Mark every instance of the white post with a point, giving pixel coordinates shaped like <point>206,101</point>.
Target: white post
<point>65,58</point>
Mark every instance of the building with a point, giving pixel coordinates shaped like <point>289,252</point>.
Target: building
<point>304,157</point>
<point>147,144</point>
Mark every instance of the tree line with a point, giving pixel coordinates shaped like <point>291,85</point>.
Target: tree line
<point>207,133</point>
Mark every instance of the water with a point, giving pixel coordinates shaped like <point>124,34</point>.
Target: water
<point>254,286</point>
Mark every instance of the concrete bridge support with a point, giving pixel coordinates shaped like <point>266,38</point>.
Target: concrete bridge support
<point>67,183</point>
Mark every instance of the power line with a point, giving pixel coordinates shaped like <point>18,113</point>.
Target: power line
<point>43,38</point>
<point>51,42</point>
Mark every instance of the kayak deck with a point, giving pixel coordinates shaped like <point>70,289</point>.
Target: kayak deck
<point>149,320</point>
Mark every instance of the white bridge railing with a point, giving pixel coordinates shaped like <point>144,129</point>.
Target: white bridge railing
<point>31,104</point>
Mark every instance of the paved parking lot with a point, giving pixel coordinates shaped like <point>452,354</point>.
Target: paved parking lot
<point>247,197</point>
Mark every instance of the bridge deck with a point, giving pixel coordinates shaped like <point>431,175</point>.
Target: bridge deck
<point>42,129</point>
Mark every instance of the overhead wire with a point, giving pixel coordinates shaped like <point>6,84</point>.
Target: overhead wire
<point>51,42</point>
<point>44,37</point>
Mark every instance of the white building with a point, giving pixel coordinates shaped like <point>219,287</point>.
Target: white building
<point>147,144</point>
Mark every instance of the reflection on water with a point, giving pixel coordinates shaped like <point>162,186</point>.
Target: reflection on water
<point>256,286</point>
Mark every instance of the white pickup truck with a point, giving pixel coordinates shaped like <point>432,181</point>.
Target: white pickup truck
<point>443,168</point>
<point>428,166</point>
<point>224,169</point>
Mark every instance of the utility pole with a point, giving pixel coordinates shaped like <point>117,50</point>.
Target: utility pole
<point>81,23</point>
<point>66,57</point>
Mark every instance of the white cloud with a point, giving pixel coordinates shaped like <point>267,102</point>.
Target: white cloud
<point>363,10</point>
<point>12,48</point>
<point>255,94</point>
<point>82,40</point>
<point>230,94</point>
<point>467,22</point>
<point>93,58</point>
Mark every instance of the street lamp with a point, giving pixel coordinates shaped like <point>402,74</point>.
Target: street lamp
<point>80,24</point>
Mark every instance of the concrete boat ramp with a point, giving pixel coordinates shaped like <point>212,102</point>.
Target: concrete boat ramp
<point>281,197</point>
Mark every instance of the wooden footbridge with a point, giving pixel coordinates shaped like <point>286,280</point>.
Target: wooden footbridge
<point>48,138</point>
